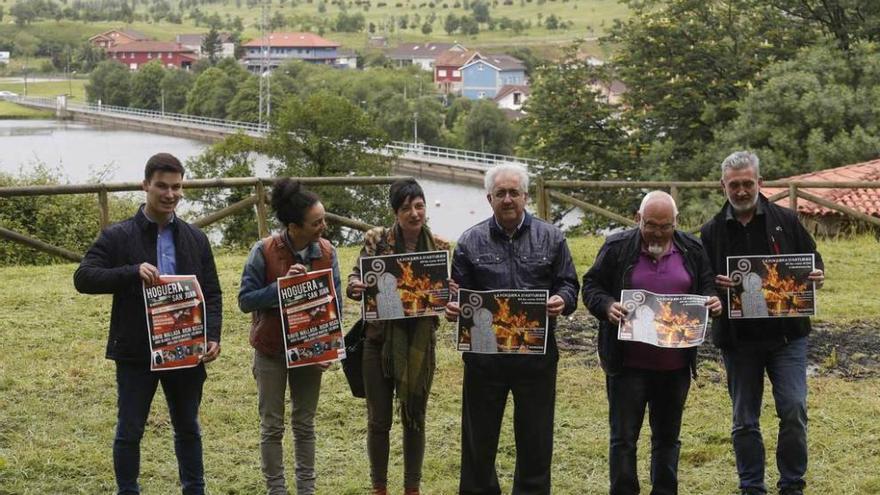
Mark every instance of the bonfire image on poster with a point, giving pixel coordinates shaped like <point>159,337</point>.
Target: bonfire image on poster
<point>663,320</point>
<point>310,319</point>
<point>771,286</point>
<point>405,285</point>
<point>503,321</point>
<point>175,311</point>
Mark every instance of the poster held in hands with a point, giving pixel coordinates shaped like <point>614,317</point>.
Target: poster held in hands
<point>663,320</point>
<point>503,321</point>
<point>771,286</point>
<point>310,319</point>
<point>407,285</point>
<point>175,312</point>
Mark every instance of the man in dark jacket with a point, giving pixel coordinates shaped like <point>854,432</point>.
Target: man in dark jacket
<point>748,224</point>
<point>139,250</point>
<point>511,250</point>
<point>658,258</point>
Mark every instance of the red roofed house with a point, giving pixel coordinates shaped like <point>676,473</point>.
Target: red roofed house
<point>447,69</point>
<point>824,220</point>
<point>137,53</point>
<point>284,47</point>
<point>117,37</point>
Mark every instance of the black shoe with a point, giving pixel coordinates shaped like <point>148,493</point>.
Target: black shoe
<point>791,491</point>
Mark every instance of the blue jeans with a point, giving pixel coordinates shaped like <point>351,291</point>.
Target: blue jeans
<point>786,366</point>
<point>664,393</point>
<point>136,385</point>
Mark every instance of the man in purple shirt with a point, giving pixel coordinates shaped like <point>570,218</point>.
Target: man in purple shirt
<point>658,258</point>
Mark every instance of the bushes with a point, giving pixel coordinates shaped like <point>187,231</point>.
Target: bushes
<point>67,221</point>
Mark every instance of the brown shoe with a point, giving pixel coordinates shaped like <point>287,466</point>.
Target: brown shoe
<point>411,491</point>
<point>379,490</point>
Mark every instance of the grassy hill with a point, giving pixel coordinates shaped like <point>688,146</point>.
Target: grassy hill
<point>57,402</point>
<point>589,18</point>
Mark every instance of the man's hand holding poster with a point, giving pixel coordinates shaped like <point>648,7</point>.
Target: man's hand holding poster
<point>674,320</point>
<point>405,285</point>
<point>310,319</point>
<point>771,286</point>
<point>503,321</point>
<point>175,310</point>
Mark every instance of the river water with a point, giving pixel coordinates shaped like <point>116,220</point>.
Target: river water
<point>81,153</point>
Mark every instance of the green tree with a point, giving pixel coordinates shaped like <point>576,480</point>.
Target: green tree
<point>687,62</point>
<point>469,25</point>
<point>451,24</point>
<point>146,86</point>
<point>326,135</point>
<point>175,86</point>
<point>486,129</point>
<point>109,83</point>
<point>427,28</point>
<point>819,110</point>
<point>24,12</point>
<point>846,21</point>
<point>245,106</point>
<point>480,10</point>
<point>212,91</point>
<point>211,45</point>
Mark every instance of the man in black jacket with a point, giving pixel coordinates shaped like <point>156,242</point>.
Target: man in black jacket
<point>138,250</point>
<point>511,250</point>
<point>748,224</point>
<point>658,258</point>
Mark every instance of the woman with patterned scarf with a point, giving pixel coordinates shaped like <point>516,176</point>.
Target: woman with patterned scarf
<point>398,354</point>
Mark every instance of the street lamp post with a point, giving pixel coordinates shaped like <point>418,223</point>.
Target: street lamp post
<point>415,128</point>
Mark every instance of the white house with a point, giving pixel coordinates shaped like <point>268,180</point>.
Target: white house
<point>512,96</point>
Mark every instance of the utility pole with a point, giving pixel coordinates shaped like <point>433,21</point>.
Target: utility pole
<point>265,65</point>
<point>415,128</point>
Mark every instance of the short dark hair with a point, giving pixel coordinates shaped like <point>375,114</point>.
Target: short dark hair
<point>403,189</point>
<point>290,201</point>
<point>162,162</point>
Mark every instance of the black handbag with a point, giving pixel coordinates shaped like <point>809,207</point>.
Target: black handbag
<point>352,365</point>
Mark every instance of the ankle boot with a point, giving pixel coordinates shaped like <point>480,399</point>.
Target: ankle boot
<point>411,491</point>
<point>379,490</point>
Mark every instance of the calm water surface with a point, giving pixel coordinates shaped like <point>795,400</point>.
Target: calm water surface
<point>81,153</point>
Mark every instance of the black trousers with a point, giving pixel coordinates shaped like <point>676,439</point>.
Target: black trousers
<point>664,393</point>
<point>487,381</point>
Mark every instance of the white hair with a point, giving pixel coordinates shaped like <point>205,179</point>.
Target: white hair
<point>658,196</point>
<point>506,168</point>
<point>739,160</point>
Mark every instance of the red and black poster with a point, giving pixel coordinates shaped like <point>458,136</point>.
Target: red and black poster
<point>310,319</point>
<point>175,310</point>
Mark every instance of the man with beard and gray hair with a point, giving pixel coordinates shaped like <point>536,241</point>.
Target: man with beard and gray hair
<point>748,224</point>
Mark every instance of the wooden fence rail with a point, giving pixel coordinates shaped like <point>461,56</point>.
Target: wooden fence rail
<point>545,192</point>
<point>259,199</point>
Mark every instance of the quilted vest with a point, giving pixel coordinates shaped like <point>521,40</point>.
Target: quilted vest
<point>266,332</point>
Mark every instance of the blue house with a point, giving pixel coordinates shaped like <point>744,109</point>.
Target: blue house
<point>484,77</point>
<point>283,47</point>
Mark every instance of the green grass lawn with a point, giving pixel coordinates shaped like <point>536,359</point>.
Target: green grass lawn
<point>75,87</point>
<point>12,111</point>
<point>57,403</point>
<point>590,18</point>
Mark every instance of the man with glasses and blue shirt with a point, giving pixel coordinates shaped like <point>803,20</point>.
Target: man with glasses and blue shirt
<point>658,258</point>
<point>152,243</point>
<point>511,250</point>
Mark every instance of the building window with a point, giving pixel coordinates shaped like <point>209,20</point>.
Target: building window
<point>169,54</point>
<point>481,95</point>
<point>479,67</point>
<point>456,73</point>
<point>441,73</point>
<point>149,54</point>
<point>517,98</point>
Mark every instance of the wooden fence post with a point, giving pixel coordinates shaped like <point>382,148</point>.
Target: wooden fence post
<point>543,199</point>
<point>673,191</point>
<point>792,197</point>
<point>261,210</point>
<point>104,205</point>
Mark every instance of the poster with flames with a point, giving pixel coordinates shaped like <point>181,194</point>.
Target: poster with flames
<point>503,321</point>
<point>771,286</point>
<point>310,319</point>
<point>175,310</point>
<point>663,320</point>
<point>405,285</point>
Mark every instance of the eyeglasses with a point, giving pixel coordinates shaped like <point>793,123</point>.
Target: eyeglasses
<point>503,193</point>
<point>653,227</point>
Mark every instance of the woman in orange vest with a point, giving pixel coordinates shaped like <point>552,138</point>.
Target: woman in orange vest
<point>398,354</point>
<point>295,249</point>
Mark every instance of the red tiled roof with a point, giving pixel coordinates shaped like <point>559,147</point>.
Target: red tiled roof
<point>866,201</point>
<point>298,40</point>
<point>454,58</point>
<point>149,46</point>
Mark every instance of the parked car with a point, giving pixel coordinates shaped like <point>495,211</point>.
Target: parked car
<point>8,94</point>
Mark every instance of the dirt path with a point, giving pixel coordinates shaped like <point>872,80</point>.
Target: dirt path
<point>851,352</point>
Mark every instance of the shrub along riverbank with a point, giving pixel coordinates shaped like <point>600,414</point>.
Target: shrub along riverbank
<point>57,401</point>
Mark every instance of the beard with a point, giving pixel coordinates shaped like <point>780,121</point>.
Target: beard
<point>743,206</point>
<point>656,249</point>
